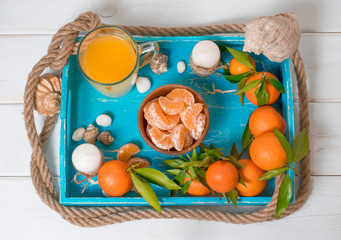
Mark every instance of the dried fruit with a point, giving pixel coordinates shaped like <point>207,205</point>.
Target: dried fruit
<point>126,151</point>
<point>160,138</point>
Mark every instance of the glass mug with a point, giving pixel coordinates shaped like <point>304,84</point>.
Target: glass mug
<point>109,58</point>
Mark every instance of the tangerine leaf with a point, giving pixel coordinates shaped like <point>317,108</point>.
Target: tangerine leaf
<point>156,177</point>
<point>276,84</point>
<point>176,172</point>
<point>179,179</point>
<point>194,155</point>
<point>247,136</point>
<point>272,173</point>
<point>233,197</point>
<point>284,196</point>
<point>234,161</point>
<point>174,163</point>
<point>262,95</point>
<point>240,85</point>
<point>241,181</point>
<point>248,86</point>
<point>185,187</point>
<point>225,70</point>
<point>234,151</point>
<point>242,57</point>
<point>236,78</point>
<point>285,145</point>
<point>146,191</point>
<point>300,146</point>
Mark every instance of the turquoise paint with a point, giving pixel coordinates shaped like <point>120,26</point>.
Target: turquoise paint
<point>81,104</point>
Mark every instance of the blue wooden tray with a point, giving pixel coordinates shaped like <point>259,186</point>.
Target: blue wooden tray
<point>81,104</point>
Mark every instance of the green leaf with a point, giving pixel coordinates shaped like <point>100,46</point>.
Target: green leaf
<point>176,172</point>
<point>247,136</point>
<point>226,197</point>
<point>156,177</point>
<point>186,186</point>
<point>146,191</point>
<point>183,158</point>
<point>234,161</point>
<point>273,173</point>
<point>194,155</point>
<point>233,197</point>
<point>284,196</point>
<point>241,181</point>
<point>225,70</point>
<point>277,84</point>
<point>248,86</point>
<point>285,145</point>
<point>179,179</point>
<point>234,151</point>
<point>203,147</point>
<point>237,78</point>
<point>295,171</point>
<point>240,85</point>
<point>174,163</point>
<point>262,95</point>
<point>202,156</point>
<point>191,172</point>
<point>223,49</point>
<point>242,57</point>
<point>300,146</point>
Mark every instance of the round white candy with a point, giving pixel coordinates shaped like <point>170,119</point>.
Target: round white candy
<point>103,120</point>
<point>181,67</point>
<point>143,84</point>
<point>78,134</point>
<point>87,158</point>
<point>205,54</point>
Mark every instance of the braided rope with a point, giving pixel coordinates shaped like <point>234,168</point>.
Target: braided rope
<point>60,48</point>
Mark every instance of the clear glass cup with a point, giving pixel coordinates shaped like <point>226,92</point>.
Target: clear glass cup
<point>144,53</point>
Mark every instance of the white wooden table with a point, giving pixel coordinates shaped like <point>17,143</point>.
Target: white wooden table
<point>26,28</point>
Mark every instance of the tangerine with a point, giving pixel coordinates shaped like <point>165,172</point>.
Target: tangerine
<point>155,116</point>
<point>250,175</point>
<point>237,68</point>
<point>188,141</point>
<point>196,188</point>
<point>171,107</point>
<point>271,90</point>
<point>189,116</point>
<point>114,179</point>
<point>181,94</point>
<point>173,121</point>
<point>160,138</point>
<point>199,129</point>
<point>267,152</point>
<point>126,151</point>
<point>265,119</point>
<point>222,176</point>
<point>178,136</point>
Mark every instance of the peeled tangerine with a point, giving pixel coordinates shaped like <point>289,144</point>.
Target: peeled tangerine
<point>200,126</point>
<point>178,136</point>
<point>160,138</point>
<point>171,107</point>
<point>181,94</point>
<point>126,151</point>
<point>189,116</point>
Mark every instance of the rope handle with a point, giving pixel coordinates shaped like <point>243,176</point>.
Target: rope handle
<point>59,50</point>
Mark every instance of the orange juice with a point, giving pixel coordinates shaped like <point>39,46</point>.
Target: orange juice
<point>109,59</point>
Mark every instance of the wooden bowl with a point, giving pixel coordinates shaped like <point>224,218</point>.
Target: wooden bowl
<point>163,91</point>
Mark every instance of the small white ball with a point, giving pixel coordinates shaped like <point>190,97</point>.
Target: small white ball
<point>78,134</point>
<point>143,84</point>
<point>181,67</point>
<point>87,158</point>
<point>205,54</point>
<point>103,120</point>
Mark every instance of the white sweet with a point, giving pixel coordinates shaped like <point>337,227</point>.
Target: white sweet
<point>103,120</point>
<point>78,134</point>
<point>181,67</point>
<point>205,54</point>
<point>143,84</point>
<point>87,158</point>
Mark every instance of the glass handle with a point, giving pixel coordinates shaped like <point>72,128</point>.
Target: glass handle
<point>147,51</point>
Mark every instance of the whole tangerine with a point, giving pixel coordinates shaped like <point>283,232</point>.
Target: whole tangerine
<point>237,68</point>
<point>114,179</point>
<point>250,175</point>
<point>196,188</point>
<point>222,176</point>
<point>265,119</point>
<point>271,90</point>
<point>267,152</point>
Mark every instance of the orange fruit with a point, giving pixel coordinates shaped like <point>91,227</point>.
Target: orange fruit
<point>267,152</point>
<point>181,94</point>
<point>160,138</point>
<point>196,188</point>
<point>237,68</point>
<point>173,121</point>
<point>189,116</point>
<point>188,141</point>
<point>178,136</point>
<point>249,174</point>
<point>200,126</point>
<point>155,116</point>
<point>271,90</point>
<point>171,107</point>
<point>222,176</point>
<point>264,119</point>
<point>126,151</point>
<point>114,179</point>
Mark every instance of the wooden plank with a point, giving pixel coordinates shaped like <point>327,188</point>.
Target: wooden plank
<point>325,141</point>
<point>319,51</point>
<point>313,16</point>
<point>28,216</point>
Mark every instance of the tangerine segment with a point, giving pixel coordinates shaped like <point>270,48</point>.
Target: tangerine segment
<point>267,152</point>
<point>126,151</point>
<point>265,119</point>
<point>171,107</point>
<point>155,116</point>
<point>199,129</point>
<point>178,136</point>
<point>181,94</point>
<point>146,107</point>
<point>252,188</point>
<point>173,121</point>
<point>148,128</point>
<point>188,141</point>
<point>161,139</point>
<point>114,179</point>
<point>271,90</point>
<point>196,188</point>
<point>138,162</point>
<point>238,68</point>
<point>222,176</point>
<point>189,116</point>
